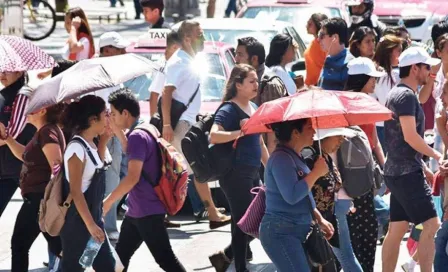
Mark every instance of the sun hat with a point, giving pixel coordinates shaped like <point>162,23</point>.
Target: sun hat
<point>415,55</point>
<point>363,66</point>
<point>329,132</point>
<point>113,39</point>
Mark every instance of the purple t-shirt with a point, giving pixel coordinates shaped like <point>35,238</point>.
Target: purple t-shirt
<point>142,200</point>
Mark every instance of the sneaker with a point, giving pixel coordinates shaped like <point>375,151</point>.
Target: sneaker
<point>113,236</point>
<point>407,267</point>
<point>202,215</point>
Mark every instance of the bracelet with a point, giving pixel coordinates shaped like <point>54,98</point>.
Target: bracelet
<point>433,76</point>
<point>167,125</point>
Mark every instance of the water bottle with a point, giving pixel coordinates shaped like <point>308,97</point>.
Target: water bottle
<point>90,253</point>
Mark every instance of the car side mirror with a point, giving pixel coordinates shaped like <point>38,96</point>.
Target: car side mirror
<point>298,65</point>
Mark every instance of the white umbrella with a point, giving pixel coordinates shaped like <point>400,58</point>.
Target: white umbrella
<point>88,76</point>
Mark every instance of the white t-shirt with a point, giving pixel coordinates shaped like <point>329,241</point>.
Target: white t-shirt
<point>182,75</point>
<point>286,78</point>
<point>84,54</point>
<point>158,83</point>
<point>76,149</point>
<point>383,86</point>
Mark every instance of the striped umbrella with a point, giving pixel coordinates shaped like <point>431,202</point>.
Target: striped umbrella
<point>18,54</point>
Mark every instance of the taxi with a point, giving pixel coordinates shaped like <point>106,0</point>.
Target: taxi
<point>296,12</point>
<point>215,62</point>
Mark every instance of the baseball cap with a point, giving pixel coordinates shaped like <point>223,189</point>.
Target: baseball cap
<point>330,132</point>
<point>363,66</point>
<point>415,55</point>
<point>113,39</point>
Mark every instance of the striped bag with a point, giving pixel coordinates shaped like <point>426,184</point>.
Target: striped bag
<point>250,222</point>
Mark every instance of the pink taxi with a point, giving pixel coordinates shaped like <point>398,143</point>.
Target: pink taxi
<point>296,12</point>
<point>215,63</point>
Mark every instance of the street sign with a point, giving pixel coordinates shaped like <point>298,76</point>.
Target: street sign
<point>11,17</point>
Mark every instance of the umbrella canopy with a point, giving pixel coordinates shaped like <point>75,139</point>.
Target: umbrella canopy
<point>328,109</point>
<point>89,76</point>
<point>18,54</point>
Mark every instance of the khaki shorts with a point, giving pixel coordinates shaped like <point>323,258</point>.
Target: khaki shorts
<point>179,133</point>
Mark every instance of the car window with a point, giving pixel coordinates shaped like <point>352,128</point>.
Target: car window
<point>297,16</point>
<point>230,60</point>
<point>212,71</point>
<point>231,36</point>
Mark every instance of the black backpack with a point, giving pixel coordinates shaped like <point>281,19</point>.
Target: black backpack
<point>356,164</point>
<point>208,162</point>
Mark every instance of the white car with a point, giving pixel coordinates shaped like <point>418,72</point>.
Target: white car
<point>229,30</point>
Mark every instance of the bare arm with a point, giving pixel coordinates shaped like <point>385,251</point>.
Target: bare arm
<point>16,148</point>
<point>219,136</point>
<point>126,185</point>
<point>271,142</point>
<point>378,150</point>
<point>411,137</point>
<point>426,90</point>
<point>75,167</point>
<point>73,44</point>
<point>153,103</point>
<point>441,122</point>
<point>167,96</point>
<point>264,152</point>
<point>53,154</point>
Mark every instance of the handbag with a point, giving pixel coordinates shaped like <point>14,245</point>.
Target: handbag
<point>177,109</point>
<point>316,246</point>
<point>251,221</point>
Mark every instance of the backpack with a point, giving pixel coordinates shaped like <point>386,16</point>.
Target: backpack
<point>356,164</point>
<point>267,78</point>
<point>171,186</point>
<point>208,162</point>
<point>53,208</point>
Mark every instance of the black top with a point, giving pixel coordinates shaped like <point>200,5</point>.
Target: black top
<point>161,24</point>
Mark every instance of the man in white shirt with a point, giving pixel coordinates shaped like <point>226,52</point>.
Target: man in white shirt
<point>182,84</point>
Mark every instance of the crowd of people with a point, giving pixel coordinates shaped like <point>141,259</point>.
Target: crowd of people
<point>96,141</point>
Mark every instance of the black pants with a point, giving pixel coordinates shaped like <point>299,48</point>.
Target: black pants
<point>7,189</point>
<point>151,230</point>
<point>26,231</point>
<point>236,186</point>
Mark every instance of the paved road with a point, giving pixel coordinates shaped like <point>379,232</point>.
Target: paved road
<point>192,242</point>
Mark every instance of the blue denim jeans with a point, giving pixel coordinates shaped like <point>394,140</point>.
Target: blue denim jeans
<point>441,257</point>
<point>112,181</point>
<point>282,242</point>
<point>193,196</point>
<point>345,253</point>
<point>382,210</point>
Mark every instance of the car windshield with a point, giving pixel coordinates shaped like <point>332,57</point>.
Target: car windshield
<point>297,16</point>
<point>212,71</point>
<point>231,36</point>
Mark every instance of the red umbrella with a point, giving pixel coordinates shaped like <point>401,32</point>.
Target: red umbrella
<point>18,54</point>
<point>328,109</point>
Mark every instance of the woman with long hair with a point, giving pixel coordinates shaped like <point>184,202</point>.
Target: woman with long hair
<point>362,42</point>
<point>250,152</point>
<point>80,43</point>
<point>386,56</point>
<point>363,223</point>
<point>314,55</point>
<point>84,163</point>
<point>282,52</point>
<point>41,156</point>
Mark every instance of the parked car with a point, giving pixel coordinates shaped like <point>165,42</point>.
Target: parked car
<point>296,12</point>
<point>417,15</point>
<point>229,30</point>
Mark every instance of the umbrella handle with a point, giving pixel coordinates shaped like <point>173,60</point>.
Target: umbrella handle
<point>318,138</point>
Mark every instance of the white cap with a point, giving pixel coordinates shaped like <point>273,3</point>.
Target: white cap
<point>363,66</point>
<point>329,132</point>
<point>415,55</point>
<point>113,39</point>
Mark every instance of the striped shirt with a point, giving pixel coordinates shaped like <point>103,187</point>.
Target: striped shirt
<point>18,118</point>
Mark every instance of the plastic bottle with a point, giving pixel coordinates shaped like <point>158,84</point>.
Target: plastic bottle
<point>90,253</point>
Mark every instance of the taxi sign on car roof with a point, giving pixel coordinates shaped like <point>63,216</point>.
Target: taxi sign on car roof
<point>153,38</point>
<point>294,1</point>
